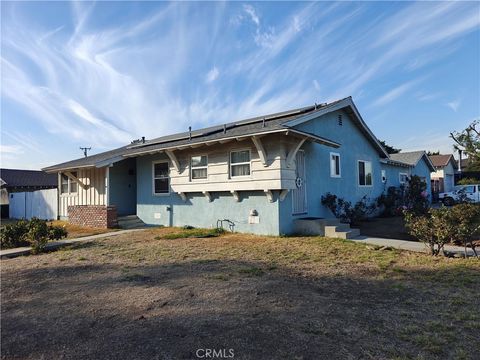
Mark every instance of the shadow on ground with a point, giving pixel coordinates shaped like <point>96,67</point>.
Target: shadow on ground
<point>260,311</point>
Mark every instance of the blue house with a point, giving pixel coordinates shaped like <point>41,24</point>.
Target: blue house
<point>265,174</point>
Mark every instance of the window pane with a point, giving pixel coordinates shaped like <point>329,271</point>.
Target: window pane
<point>368,173</point>
<point>240,156</point>
<point>161,169</point>
<point>73,186</point>
<point>161,186</point>
<point>361,173</point>
<point>64,184</point>
<point>199,173</point>
<point>241,170</point>
<point>199,161</point>
<point>337,165</point>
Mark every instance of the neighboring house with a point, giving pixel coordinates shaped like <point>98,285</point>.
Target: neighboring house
<point>262,173</point>
<point>419,165</point>
<point>14,180</point>
<point>443,178</point>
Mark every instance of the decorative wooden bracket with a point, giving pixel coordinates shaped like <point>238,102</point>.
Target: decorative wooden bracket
<point>236,196</point>
<point>260,149</point>
<point>292,153</point>
<point>283,194</point>
<point>182,195</point>
<point>174,159</point>
<point>208,196</point>
<point>269,195</point>
<point>74,178</point>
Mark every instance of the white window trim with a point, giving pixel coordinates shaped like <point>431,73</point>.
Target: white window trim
<point>332,174</point>
<point>358,173</point>
<point>69,182</point>
<point>400,178</point>
<point>153,178</point>
<point>198,167</point>
<point>243,163</point>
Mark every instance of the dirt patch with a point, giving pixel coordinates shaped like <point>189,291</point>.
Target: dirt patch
<point>139,296</point>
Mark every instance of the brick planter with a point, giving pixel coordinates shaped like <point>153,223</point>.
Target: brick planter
<point>98,216</point>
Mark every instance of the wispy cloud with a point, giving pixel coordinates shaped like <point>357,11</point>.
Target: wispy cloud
<point>212,75</point>
<point>250,10</point>
<point>394,93</point>
<point>11,149</point>
<point>107,82</point>
<point>454,104</point>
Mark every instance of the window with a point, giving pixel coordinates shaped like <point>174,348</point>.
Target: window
<point>64,184</point>
<point>335,165</point>
<point>364,173</point>
<point>199,166</point>
<point>67,185</point>
<point>161,178</point>
<point>73,184</point>
<point>403,178</point>
<point>240,163</point>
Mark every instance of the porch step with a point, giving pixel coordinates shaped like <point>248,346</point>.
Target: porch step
<point>342,231</point>
<point>325,227</point>
<point>130,222</point>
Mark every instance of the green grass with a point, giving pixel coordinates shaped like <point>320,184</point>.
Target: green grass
<point>192,233</point>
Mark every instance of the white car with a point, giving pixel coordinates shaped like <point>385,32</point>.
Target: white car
<point>469,192</point>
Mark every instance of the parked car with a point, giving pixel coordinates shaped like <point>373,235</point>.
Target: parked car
<point>469,193</point>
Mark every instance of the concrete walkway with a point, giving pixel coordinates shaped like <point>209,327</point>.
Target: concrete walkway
<point>10,253</point>
<point>411,245</point>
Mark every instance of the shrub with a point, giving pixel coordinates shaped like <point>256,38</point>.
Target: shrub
<point>466,221</point>
<point>34,233</point>
<point>37,235</point>
<point>390,201</point>
<point>344,210</point>
<point>13,235</point>
<point>416,196</point>
<point>444,225</point>
<point>468,181</point>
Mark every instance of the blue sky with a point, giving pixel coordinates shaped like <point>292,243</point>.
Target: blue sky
<point>102,74</point>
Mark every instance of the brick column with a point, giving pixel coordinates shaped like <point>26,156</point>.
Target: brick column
<point>97,216</point>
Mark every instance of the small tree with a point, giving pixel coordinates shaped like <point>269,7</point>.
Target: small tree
<point>468,141</point>
<point>390,149</point>
<point>468,181</point>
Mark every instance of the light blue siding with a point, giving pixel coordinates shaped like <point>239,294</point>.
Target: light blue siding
<point>422,170</point>
<point>171,210</point>
<point>122,187</point>
<point>354,147</point>
<point>276,218</point>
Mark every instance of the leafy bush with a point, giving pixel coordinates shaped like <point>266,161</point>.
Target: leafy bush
<point>35,233</point>
<point>468,181</point>
<point>391,201</point>
<point>466,221</point>
<point>13,235</point>
<point>444,225</point>
<point>416,196</point>
<point>344,210</point>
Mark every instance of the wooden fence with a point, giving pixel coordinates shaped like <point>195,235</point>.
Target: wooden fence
<point>42,204</point>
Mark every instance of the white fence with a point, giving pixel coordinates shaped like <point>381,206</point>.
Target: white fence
<point>42,204</point>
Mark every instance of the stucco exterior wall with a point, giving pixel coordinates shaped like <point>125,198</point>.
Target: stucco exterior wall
<point>172,210</point>
<point>354,147</point>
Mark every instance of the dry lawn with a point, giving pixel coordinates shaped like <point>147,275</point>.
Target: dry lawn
<point>143,296</point>
<point>76,231</point>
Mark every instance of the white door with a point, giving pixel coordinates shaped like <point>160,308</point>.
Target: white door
<point>299,194</point>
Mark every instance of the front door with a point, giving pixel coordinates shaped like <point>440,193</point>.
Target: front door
<point>299,194</point>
